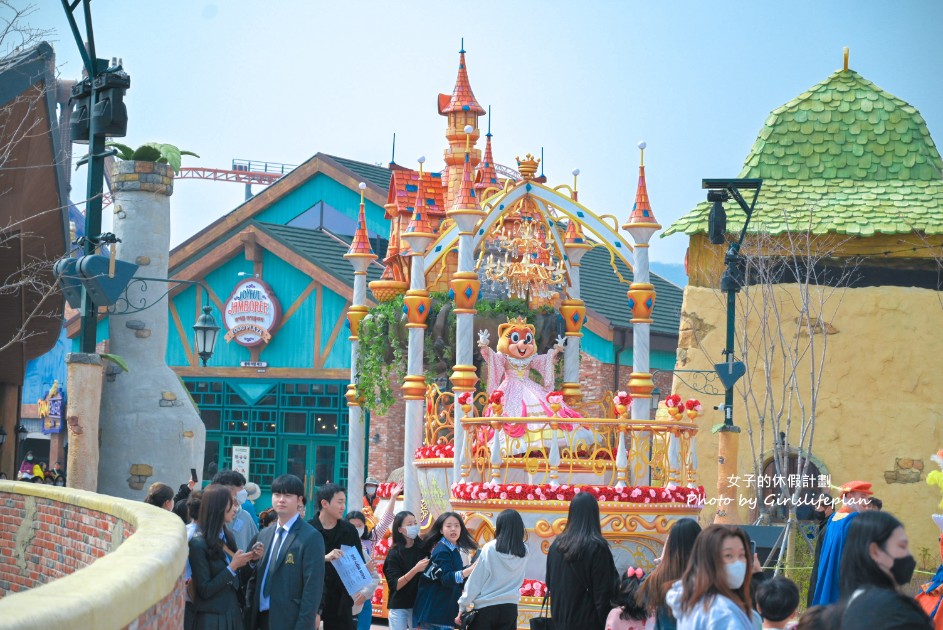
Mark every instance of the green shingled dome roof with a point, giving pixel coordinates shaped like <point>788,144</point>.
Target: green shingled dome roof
<point>854,158</point>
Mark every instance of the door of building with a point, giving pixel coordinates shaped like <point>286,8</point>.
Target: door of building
<point>315,461</point>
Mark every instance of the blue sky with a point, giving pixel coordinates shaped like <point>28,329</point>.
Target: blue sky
<point>282,80</point>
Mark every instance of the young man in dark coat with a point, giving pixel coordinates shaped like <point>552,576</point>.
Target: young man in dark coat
<point>289,580</point>
<point>337,604</point>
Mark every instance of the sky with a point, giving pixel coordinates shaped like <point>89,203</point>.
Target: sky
<point>586,81</point>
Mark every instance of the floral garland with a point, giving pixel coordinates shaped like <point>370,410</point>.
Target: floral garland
<point>545,492</point>
<point>533,588</point>
<point>436,451</point>
<point>385,490</point>
<point>377,596</point>
<point>382,548</point>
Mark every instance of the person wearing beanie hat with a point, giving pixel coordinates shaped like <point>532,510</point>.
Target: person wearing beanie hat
<point>854,497</point>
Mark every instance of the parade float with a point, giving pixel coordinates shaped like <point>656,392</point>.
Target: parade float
<point>500,428</point>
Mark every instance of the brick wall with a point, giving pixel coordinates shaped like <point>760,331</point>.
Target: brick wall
<point>386,431</point>
<point>42,540</point>
<point>55,540</point>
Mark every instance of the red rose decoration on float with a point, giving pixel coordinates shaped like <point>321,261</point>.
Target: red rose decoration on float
<point>693,407</point>
<point>545,492</point>
<point>385,490</point>
<point>496,397</point>
<point>382,548</point>
<point>675,406</point>
<point>533,588</point>
<point>377,596</point>
<point>436,451</point>
<point>465,398</point>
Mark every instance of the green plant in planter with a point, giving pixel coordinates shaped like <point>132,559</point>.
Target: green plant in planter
<point>152,152</point>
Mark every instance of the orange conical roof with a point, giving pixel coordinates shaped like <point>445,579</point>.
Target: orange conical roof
<point>463,99</point>
<point>466,199</point>
<point>641,209</point>
<point>419,223</point>
<point>486,177</point>
<point>574,235</point>
<point>360,246</point>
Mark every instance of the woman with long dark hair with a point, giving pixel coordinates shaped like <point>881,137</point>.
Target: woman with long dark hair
<point>494,588</point>
<point>714,591</point>
<point>674,559</point>
<point>441,584</point>
<point>405,562</point>
<point>876,562</point>
<point>581,576</point>
<point>214,564</point>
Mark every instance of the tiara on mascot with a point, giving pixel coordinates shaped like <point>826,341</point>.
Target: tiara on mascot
<point>517,321</point>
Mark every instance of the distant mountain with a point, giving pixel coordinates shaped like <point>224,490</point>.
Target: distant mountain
<point>672,272</point>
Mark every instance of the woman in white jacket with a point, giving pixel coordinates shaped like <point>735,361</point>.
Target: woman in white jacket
<point>494,587</point>
<point>714,592</point>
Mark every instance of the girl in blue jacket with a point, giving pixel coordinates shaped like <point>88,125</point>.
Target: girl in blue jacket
<point>440,585</point>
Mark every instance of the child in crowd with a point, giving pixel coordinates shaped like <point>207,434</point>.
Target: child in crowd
<point>627,614</point>
<point>777,600</point>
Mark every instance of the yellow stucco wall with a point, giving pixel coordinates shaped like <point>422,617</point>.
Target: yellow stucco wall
<point>880,398</point>
<point>117,588</point>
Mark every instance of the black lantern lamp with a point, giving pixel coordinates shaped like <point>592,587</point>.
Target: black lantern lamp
<point>82,97</point>
<point>3,436</point>
<point>205,330</point>
<point>21,433</point>
<point>717,219</point>
<point>109,111</point>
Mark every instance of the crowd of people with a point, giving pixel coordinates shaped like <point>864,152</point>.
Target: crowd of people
<point>283,575</point>
<point>38,471</point>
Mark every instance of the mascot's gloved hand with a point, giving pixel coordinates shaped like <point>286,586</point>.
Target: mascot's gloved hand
<point>561,343</point>
<point>484,337</point>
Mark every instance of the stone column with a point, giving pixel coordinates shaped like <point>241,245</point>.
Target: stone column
<point>150,428</point>
<point>84,384</point>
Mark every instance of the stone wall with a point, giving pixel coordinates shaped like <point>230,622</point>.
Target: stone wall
<point>877,416</point>
<point>70,558</point>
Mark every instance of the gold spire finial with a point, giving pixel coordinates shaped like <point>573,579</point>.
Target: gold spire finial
<point>845,52</point>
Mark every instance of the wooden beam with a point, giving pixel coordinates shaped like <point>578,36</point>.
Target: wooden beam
<point>332,374</point>
<point>299,301</point>
<point>175,316</point>
<point>338,327</point>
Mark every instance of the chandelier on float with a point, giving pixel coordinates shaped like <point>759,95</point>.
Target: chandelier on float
<point>528,267</point>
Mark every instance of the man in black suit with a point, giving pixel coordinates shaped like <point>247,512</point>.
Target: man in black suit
<point>288,582</point>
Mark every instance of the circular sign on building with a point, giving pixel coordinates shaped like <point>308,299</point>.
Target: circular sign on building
<point>252,313</point>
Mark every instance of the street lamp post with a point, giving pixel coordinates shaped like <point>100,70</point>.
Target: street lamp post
<point>730,371</point>
<point>205,330</point>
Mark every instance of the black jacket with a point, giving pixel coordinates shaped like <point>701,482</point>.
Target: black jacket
<point>399,561</point>
<point>215,585</point>
<point>581,590</point>
<point>885,609</point>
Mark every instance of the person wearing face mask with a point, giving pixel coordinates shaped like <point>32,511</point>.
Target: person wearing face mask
<point>370,498</point>
<point>714,592</point>
<point>26,468</point>
<point>243,526</point>
<point>854,496</point>
<point>405,562</point>
<point>875,565</point>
